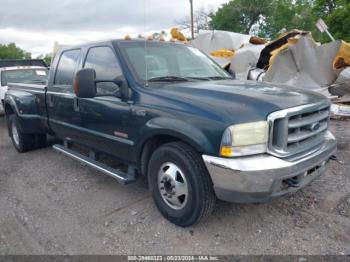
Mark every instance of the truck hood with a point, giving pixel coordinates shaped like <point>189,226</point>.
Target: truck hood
<point>242,101</point>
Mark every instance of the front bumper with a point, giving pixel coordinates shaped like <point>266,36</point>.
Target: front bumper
<point>263,177</point>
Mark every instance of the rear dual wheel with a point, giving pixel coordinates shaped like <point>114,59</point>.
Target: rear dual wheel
<point>24,142</point>
<point>180,184</point>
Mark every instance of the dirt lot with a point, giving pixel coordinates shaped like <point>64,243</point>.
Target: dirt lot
<point>50,204</point>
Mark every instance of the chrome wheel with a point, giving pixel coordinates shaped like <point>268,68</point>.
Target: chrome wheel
<point>15,135</point>
<point>173,186</point>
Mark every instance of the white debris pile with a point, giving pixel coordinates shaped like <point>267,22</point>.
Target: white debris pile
<point>294,59</point>
<point>210,41</point>
<point>240,51</point>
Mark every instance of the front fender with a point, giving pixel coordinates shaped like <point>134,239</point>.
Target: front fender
<point>179,129</point>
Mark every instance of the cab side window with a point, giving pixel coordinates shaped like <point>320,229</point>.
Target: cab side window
<point>107,67</point>
<point>66,67</point>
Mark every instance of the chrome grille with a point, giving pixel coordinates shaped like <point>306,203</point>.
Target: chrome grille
<point>299,129</point>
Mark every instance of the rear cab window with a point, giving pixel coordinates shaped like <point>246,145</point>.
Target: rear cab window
<point>66,68</point>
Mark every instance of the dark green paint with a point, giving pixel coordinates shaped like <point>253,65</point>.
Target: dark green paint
<point>195,112</point>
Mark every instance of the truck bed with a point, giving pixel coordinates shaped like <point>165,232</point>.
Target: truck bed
<point>27,87</point>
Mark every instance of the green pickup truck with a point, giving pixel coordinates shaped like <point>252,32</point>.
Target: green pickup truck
<point>168,112</point>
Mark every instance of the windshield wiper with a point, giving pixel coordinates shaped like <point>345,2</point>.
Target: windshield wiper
<point>198,78</point>
<point>179,78</point>
<point>167,79</point>
<point>219,77</point>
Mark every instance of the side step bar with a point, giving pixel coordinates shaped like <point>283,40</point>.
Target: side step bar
<point>122,177</point>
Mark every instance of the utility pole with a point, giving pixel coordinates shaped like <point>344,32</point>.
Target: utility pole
<point>322,27</point>
<point>192,23</point>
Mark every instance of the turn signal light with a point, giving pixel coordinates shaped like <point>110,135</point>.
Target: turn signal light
<point>226,151</point>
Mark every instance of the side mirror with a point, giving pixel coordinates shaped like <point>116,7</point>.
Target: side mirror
<point>123,91</point>
<point>84,83</point>
<point>118,81</point>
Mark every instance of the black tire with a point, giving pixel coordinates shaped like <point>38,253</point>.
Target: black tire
<point>40,140</point>
<point>24,142</point>
<point>201,197</point>
<point>2,108</point>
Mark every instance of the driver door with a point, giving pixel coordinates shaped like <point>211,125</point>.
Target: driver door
<point>104,116</point>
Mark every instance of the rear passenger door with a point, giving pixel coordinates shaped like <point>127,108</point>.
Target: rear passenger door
<point>64,118</point>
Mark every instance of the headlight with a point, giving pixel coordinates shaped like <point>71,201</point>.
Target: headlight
<point>244,139</point>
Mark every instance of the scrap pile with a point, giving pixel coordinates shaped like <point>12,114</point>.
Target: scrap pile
<point>228,48</point>
<point>294,59</point>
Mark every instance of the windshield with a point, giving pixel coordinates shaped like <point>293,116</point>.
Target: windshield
<point>170,62</point>
<point>24,76</point>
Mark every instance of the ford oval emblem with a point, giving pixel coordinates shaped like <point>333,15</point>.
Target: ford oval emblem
<point>315,126</point>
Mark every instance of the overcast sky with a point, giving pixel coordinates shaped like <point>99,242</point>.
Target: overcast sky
<point>35,25</point>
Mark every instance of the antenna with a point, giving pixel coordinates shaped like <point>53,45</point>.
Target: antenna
<point>145,36</point>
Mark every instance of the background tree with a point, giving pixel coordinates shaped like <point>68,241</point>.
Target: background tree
<point>269,18</point>
<point>287,15</point>
<point>11,51</point>
<point>324,8</point>
<point>241,15</point>
<point>47,58</point>
<point>336,13</point>
<point>339,22</point>
<point>201,19</point>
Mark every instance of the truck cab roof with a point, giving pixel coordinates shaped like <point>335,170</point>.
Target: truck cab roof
<point>115,41</point>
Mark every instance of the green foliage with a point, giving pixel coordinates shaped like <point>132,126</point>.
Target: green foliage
<point>240,15</point>
<point>11,51</point>
<point>270,18</point>
<point>285,16</point>
<point>323,8</point>
<point>47,58</point>
<point>339,22</point>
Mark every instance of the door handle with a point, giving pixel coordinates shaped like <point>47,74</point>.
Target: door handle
<point>76,104</point>
<point>138,112</point>
<point>51,100</point>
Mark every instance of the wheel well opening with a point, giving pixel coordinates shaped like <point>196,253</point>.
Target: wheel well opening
<point>150,146</point>
<point>8,109</point>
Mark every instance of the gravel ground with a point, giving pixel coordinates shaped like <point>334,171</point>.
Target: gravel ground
<point>50,204</point>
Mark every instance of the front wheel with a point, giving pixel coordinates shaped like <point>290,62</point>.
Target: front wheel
<point>180,184</point>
